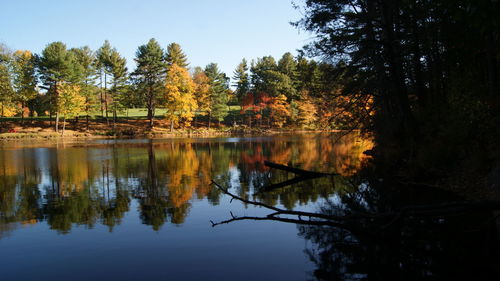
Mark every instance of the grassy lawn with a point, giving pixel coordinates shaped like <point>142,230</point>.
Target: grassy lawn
<point>132,113</point>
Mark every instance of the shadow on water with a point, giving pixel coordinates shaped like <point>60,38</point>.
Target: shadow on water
<point>393,231</point>
<point>384,230</point>
<point>460,244</point>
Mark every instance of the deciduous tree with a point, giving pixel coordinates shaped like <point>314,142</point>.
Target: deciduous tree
<point>179,96</point>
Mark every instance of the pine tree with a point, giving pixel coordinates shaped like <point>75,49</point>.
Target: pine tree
<point>218,93</point>
<point>242,79</point>
<point>86,59</point>
<point>118,83</point>
<point>56,65</point>
<point>24,78</point>
<point>149,75</point>
<point>6,91</point>
<point>103,64</point>
<point>175,55</point>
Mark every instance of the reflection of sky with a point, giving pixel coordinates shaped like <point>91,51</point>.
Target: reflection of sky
<point>192,250</point>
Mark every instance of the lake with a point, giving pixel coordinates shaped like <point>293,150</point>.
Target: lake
<point>143,210</point>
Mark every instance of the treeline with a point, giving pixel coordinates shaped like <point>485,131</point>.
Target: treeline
<point>65,83</point>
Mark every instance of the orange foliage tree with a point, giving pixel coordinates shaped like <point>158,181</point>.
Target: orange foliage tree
<point>279,110</point>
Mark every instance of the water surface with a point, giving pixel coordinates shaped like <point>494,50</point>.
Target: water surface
<point>141,209</point>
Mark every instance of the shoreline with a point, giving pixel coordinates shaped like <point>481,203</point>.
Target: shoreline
<point>16,136</point>
<point>131,129</point>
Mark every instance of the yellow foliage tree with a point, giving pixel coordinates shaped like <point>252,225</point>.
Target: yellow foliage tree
<point>7,109</point>
<point>306,113</point>
<point>69,102</point>
<point>179,96</point>
<point>279,110</point>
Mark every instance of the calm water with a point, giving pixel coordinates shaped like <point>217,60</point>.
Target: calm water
<point>141,209</point>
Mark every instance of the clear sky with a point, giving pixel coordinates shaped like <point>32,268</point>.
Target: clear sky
<point>221,31</point>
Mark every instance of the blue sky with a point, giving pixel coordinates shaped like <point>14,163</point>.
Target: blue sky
<point>221,31</point>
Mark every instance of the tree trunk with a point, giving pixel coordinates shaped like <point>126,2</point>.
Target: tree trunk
<point>114,120</point>
<point>22,112</point>
<point>106,97</point>
<point>88,122</point>
<point>102,99</point>
<point>171,125</point>
<point>64,125</point>
<point>57,122</point>
<point>152,119</point>
<point>209,119</point>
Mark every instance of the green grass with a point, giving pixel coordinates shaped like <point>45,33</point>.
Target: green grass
<point>132,113</point>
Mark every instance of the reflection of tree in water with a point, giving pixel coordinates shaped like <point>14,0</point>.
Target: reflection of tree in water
<point>90,184</point>
<point>457,243</point>
<point>384,231</point>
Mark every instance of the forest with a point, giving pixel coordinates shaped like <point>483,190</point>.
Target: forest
<point>431,69</point>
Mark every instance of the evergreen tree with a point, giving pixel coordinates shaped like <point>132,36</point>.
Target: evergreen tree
<point>118,83</point>
<point>260,73</point>
<point>56,65</point>
<point>6,89</point>
<point>149,75</point>
<point>24,79</point>
<point>218,93</point>
<point>176,55</point>
<point>104,67</point>
<point>286,83</point>
<point>86,59</point>
<point>242,80</point>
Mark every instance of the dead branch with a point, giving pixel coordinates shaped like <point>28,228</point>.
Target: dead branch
<point>359,223</point>
<point>296,170</point>
<point>284,183</point>
<point>278,211</point>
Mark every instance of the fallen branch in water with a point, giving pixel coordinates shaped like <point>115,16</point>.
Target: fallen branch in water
<point>324,219</point>
<point>296,170</point>
<point>302,175</point>
<point>360,223</point>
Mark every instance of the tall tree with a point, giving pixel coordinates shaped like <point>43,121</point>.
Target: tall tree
<point>175,55</point>
<point>86,58</point>
<point>180,101</point>
<point>24,79</point>
<point>56,65</point>
<point>118,83</point>
<point>242,80</point>
<point>286,84</point>
<point>202,91</point>
<point>218,93</point>
<point>6,90</point>
<point>150,74</point>
<point>104,67</point>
